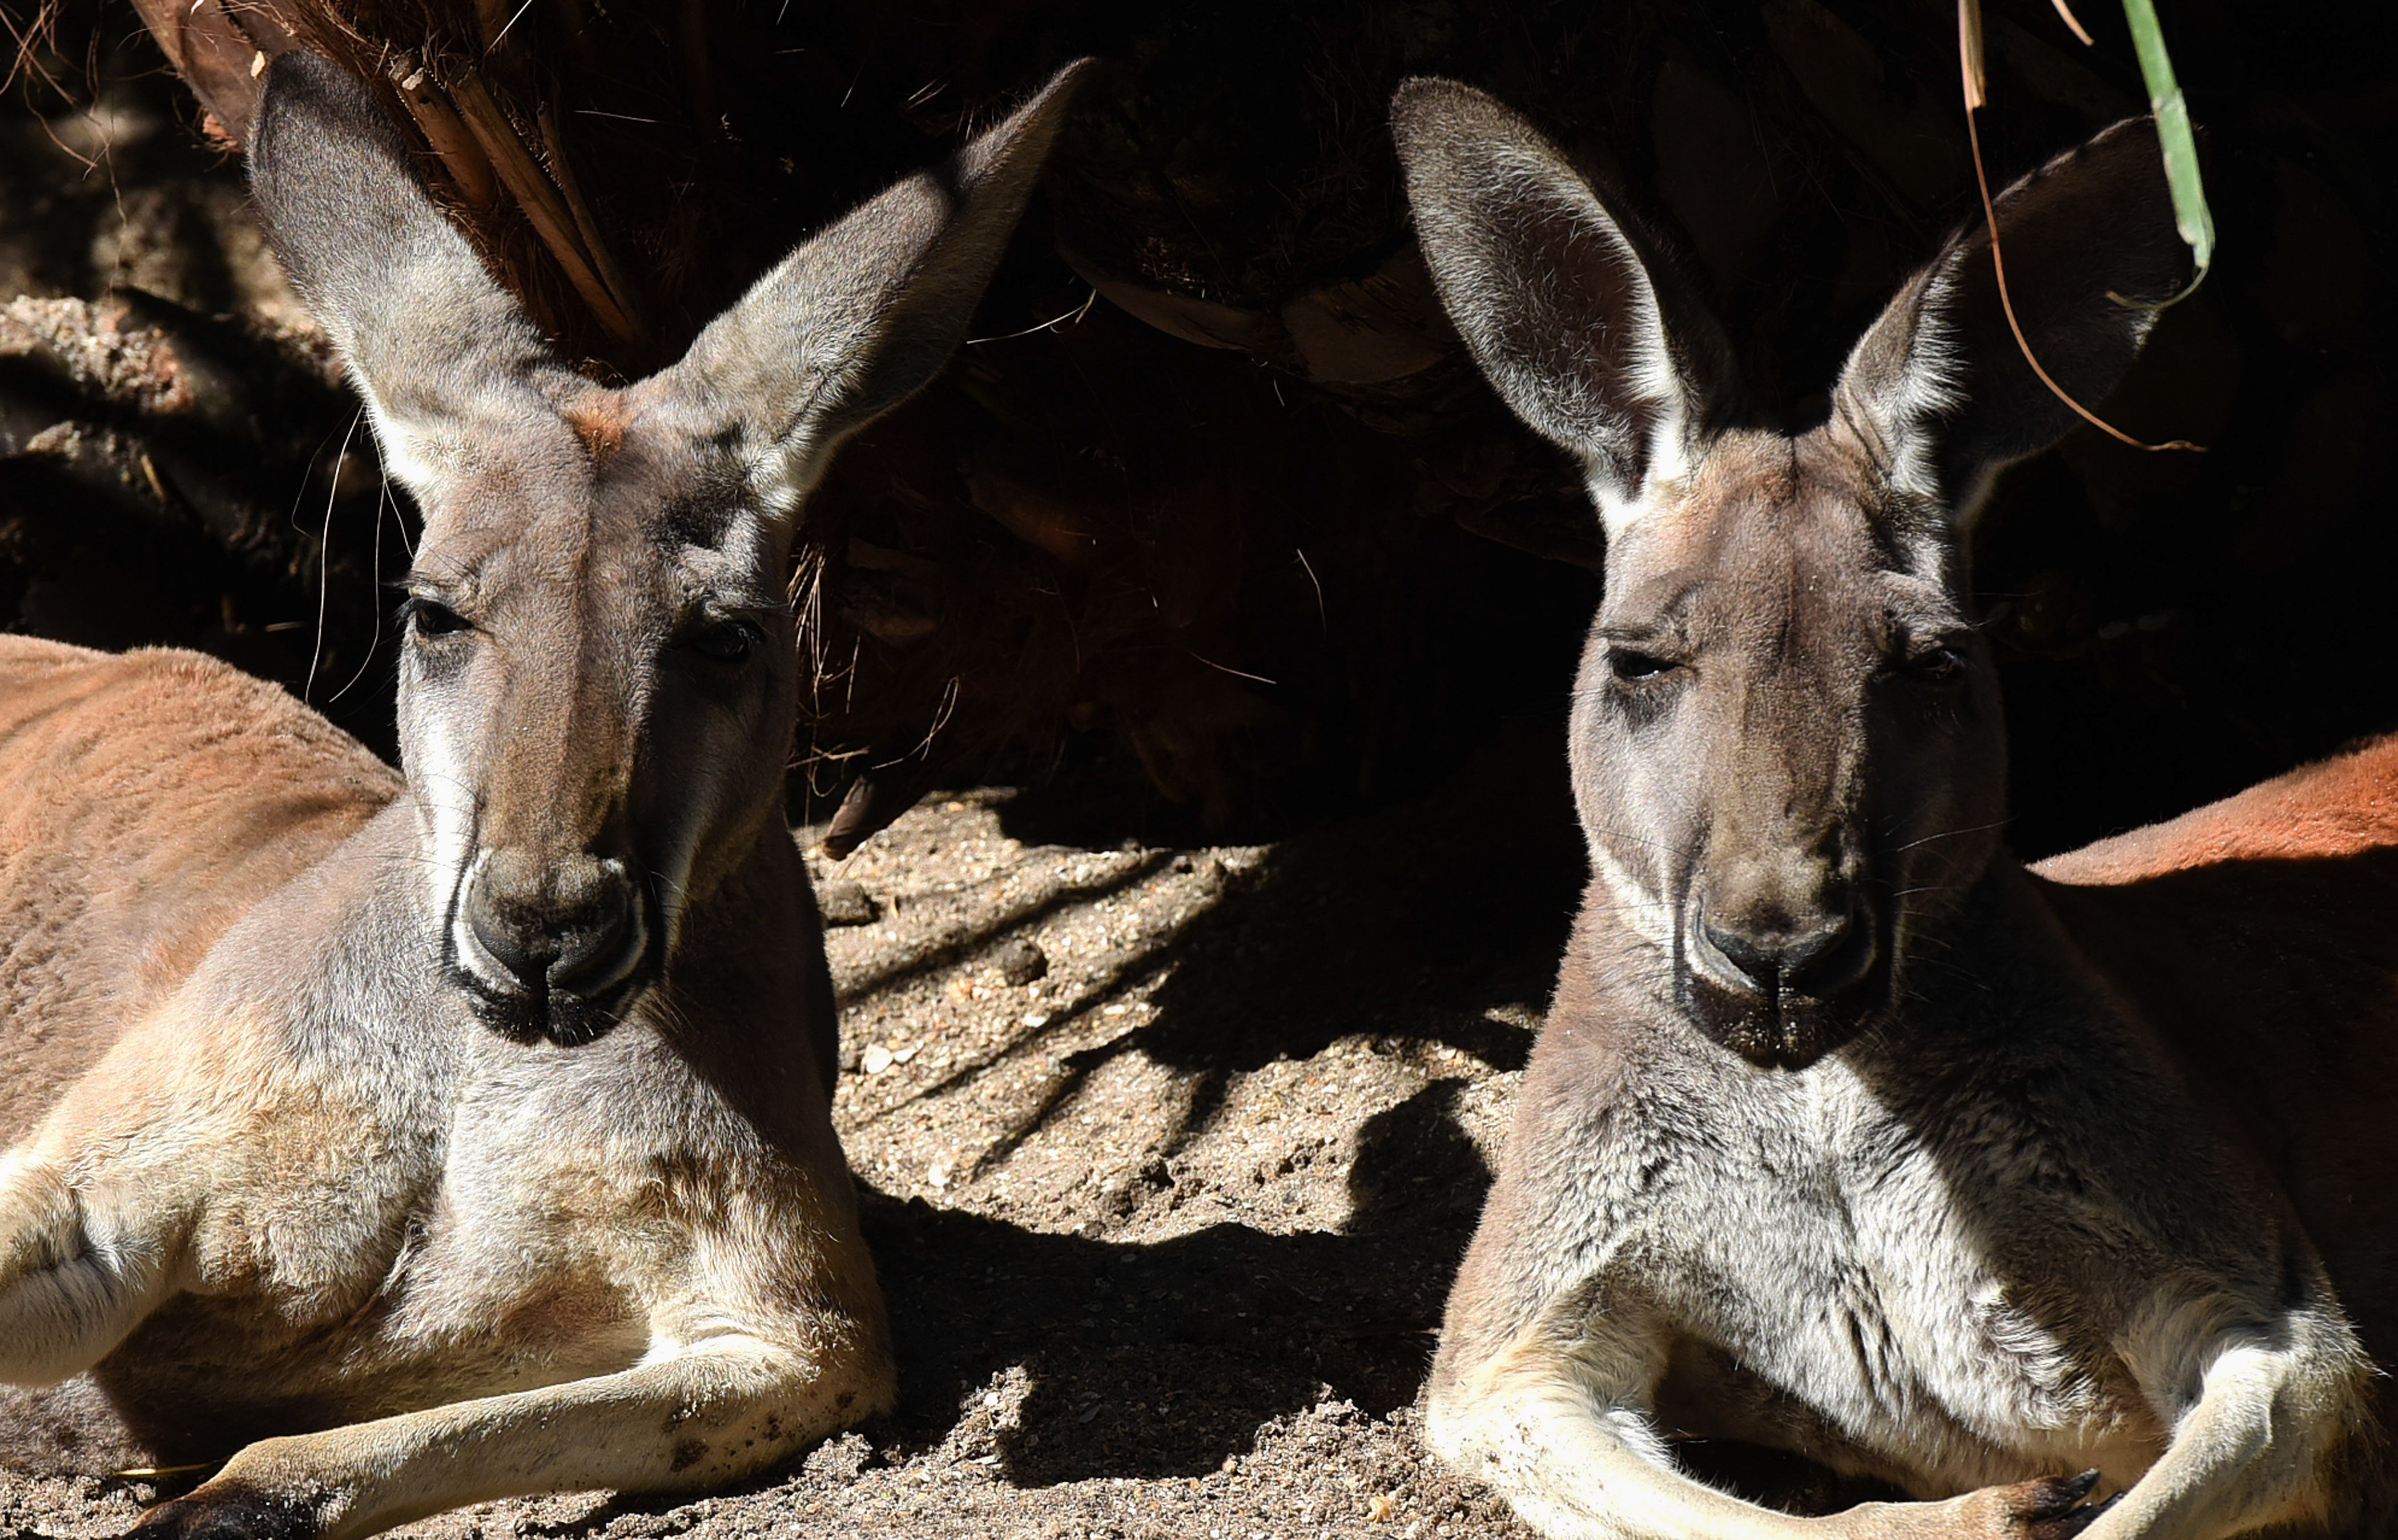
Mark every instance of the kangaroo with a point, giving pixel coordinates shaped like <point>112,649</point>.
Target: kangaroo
<point>421,1142</point>
<point>2058,1199</point>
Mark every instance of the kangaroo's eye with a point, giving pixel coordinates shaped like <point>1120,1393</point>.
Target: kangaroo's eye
<point>728,641</point>
<point>1940,665</point>
<point>1633,666</point>
<point>432,619</point>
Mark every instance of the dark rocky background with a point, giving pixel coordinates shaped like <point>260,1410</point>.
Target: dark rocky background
<point>1242,543</point>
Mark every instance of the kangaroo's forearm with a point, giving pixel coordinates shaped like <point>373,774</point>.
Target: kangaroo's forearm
<point>691,1421</point>
<point>2252,1451</point>
<point>1578,1467</point>
<point>71,1288</point>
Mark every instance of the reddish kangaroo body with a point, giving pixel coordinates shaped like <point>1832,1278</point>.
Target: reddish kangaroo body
<point>415,1140</point>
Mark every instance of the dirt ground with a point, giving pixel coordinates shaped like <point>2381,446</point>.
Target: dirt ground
<point>1165,1231</point>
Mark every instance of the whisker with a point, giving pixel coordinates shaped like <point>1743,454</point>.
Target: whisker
<point>1953,833</point>
<point>325,552</point>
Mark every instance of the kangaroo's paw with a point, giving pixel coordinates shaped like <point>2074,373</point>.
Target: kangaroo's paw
<point>223,1511</point>
<point>2052,1508</point>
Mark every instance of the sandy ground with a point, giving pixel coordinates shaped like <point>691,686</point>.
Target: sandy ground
<point>1166,1230</point>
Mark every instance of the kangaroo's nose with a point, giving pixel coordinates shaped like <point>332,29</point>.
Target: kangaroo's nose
<point>563,924</point>
<point>1784,960</point>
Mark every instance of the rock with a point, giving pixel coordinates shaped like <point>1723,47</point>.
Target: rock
<point>1205,322</point>
<point>1381,327</point>
<point>845,902</point>
<point>1022,962</point>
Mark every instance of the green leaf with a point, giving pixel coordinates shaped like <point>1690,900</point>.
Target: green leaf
<point>2190,216</point>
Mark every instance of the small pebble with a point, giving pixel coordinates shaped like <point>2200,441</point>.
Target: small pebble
<point>876,1058</point>
<point>845,902</point>
<point>1020,962</point>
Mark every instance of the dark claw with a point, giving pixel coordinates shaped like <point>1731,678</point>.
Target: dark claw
<point>230,1516</point>
<point>2072,1490</point>
<point>2082,1519</point>
<point>2054,1509</point>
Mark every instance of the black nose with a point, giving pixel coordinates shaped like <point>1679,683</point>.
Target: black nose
<point>1790,961</point>
<point>564,925</point>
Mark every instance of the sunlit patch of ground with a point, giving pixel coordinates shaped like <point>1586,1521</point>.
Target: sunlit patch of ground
<point>1166,1230</point>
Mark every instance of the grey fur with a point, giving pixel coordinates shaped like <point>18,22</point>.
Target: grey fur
<point>1847,1134</point>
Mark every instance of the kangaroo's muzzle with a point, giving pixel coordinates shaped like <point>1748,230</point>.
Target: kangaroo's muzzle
<point>553,947</point>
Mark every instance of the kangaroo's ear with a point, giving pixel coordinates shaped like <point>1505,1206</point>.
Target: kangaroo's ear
<point>1595,347</point>
<point>443,356</point>
<point>1937,390</point>
<point>865,312</point>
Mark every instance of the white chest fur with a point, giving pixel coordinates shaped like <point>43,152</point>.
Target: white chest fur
<point>1816,1244</point>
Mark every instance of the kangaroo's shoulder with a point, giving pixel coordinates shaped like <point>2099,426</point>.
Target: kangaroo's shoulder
<point>148,800</point>
<point>159,781</point>
<point>164,722</point>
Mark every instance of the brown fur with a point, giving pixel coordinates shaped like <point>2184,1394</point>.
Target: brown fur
<point>598,421</point>
<point>103,917</point>
<point>2338,809</point>
<point>403,1145</point>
